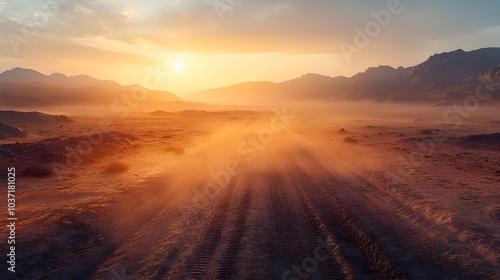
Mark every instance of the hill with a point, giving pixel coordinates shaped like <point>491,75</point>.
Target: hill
<point>32,118</point>
<point>28,89</point>
<point>443,78</point>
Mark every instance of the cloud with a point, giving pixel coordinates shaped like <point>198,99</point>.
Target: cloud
<point>51,49</point>
<point>307,26</point>
<point>55,37</point>
<point>257,26</point>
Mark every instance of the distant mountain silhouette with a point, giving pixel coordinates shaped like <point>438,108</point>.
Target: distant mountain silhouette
<point>26,88</point>
<point>21,75</point>
<point>449,69</point>
<point>443,78</point>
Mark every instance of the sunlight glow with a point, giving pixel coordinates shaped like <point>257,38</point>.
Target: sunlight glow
<point>178,66</point>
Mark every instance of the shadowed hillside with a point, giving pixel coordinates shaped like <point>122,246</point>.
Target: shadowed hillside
<point>443,78</point>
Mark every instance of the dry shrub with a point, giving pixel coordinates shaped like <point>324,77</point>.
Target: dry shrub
<point>116,167</point>
<point>349,139</point>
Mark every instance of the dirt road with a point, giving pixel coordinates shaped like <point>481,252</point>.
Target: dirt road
<point>236,208</point>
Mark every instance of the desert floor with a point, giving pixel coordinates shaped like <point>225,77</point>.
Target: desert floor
<point>295,193</point>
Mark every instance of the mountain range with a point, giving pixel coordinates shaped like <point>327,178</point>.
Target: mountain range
<point>20,75</point>
<point>27,88</point>
<point>442,79</point>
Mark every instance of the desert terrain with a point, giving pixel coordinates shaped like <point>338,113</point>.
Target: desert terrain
<point>359,191</point>
<point>250,140</point>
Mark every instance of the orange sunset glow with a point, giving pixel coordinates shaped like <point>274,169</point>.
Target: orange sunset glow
<point>258,41</point>
<point>249,140</point>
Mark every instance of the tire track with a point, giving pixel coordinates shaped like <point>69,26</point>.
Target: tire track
<point>198,266</point>
<point>352,234</point>
<point>337,267</point>
<point>355,250</point>
<point>229,258</point>
<point>333,267</point>
<point>285,251</point>
<point>429,263</point>
<point>420,254</point>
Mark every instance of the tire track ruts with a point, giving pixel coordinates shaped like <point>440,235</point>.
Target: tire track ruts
<point>228,260</point>
<point>423,253</point>
<point>213,233</point>
<point>286,251</point>
<point>379,264</point>
<point>337,267</point>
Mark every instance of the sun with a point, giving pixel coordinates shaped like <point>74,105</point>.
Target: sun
<point>178,66</point>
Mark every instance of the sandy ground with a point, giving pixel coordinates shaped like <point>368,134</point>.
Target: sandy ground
<point>266,196</point>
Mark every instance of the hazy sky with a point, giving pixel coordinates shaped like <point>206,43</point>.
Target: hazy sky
<point>201,44</point>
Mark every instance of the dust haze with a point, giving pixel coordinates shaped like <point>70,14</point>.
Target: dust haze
<point>352,190</point>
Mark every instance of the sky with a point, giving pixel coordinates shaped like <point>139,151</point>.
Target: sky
<point>194,45</point>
